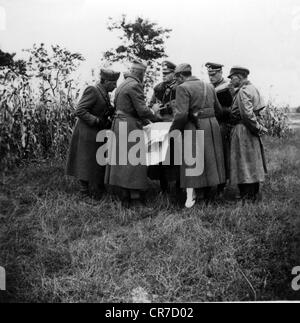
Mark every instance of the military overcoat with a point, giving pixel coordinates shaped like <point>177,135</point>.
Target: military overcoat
<point>247,157</point>
<point>165,94</point>
<point>196,110</point>
<point>134,114</point>
<point>225,126</point>
<point>82,162</point>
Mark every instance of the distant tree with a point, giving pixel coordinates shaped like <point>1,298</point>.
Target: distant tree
<point>53,68</point>
<point>140,39</point>
<point>298,110</point>
<point>7,61</point>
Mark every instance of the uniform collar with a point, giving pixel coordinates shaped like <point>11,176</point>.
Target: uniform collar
<point>104,93</point>
<point>170,84</point>
<point>237,90</point>
<point>219,83</point>
<point>135,78</point>
<point>245,82</point>
<point>101,89</point>
<point>192,79</point>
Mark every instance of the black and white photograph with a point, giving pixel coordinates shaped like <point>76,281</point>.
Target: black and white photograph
<point>149,154</point>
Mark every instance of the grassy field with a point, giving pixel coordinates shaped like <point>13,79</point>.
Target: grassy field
<point>57,248</point>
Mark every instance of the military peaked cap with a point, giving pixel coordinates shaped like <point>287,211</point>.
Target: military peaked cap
<point>168,67</point>
<point>213,68</point>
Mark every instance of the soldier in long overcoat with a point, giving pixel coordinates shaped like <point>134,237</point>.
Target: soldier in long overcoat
<point>133,112</point>
<point>197,107</point>
<point>247,159</point>
<point>224,94</point>
<point>93,112</point>
<point>163,101</point>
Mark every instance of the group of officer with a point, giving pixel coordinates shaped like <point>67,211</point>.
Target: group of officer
<point>229,113</point>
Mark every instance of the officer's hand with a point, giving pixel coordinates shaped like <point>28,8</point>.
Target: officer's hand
<point>173,104</point>
<point>263,131</point>
<point>156,107</point>
<point>99,123</point>
<point>159,118</point>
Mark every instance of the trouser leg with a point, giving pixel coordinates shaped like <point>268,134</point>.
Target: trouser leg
<point>242,190</point>
<point>221,188</point>
<point>96,190</point>
<point>84,187</point>
<point>256,188</point>
<point>249,191</point>
<point>135,195</point>
<point>138,197</point>
<point>124,196</point>
<point>245,190</point>
<point>178,188</point>
<point>164,185</point>
<point>207,193</point>
<point>128,196</point>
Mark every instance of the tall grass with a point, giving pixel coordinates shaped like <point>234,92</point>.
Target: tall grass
<point>57,248</point>
<point>36,106</point>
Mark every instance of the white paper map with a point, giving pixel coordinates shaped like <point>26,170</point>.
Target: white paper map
<point>156,138</point>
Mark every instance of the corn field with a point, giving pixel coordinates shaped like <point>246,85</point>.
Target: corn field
<point>276,120</point>
<point>36,107</point>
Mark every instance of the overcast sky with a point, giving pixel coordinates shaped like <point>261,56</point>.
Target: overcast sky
<point>263,35</point>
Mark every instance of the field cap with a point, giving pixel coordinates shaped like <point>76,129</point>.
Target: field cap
<point>138,65</point>
<point>109,75</point>
<point>239,70</point>
<point>182,68</point>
